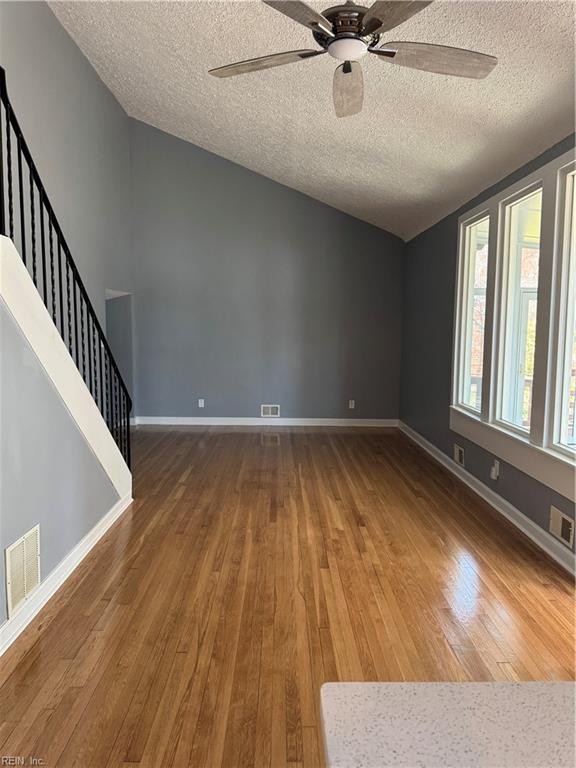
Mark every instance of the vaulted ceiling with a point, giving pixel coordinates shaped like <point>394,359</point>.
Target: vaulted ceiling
<point>423,144</point>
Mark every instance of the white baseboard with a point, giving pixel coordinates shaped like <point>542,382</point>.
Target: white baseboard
<point>250,421</point>
<point>17,623</point>
<point>544,540</point>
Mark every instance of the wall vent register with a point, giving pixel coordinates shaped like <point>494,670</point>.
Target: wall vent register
<point>459,455</point>
<point>270,411</point>
<point>562,526</point>
<point>22,569</point>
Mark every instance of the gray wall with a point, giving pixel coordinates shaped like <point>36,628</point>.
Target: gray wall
<point>247,292</point>
<point>119,334</point>
<point>48,475</point>
<point>428,315</point>
<point>79,138</point>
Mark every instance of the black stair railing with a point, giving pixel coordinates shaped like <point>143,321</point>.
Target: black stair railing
<point>27,218</point>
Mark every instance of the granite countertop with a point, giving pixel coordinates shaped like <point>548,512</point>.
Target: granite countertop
<point>449,725</point>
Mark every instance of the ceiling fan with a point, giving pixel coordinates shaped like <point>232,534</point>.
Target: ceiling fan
<point>347,32</point>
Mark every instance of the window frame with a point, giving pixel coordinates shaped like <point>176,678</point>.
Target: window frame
<point>463,281</point>
<point>503,258</point>
<point>565,299</point>
<point>536,451</point>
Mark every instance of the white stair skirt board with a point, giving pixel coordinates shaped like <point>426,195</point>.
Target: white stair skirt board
<point>17,623</point>
<point>256,421</point>
<point>24,303</point>
<point>544,540</point>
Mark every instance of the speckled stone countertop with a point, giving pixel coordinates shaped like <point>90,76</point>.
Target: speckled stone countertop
<point>449,725</point>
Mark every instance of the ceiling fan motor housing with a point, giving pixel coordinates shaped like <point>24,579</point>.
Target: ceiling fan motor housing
<point>348,43</point>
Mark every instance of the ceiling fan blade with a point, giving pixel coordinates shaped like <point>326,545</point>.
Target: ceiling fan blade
<point>264,62</point>
<point>302,13</point>
<point>438,58</point>
<point>348,89</point>
<point>387,14</point>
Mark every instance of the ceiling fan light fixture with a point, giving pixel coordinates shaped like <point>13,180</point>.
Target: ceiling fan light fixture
<point>347,48</point>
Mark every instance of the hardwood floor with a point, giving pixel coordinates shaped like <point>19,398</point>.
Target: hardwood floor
<point>252,567</point>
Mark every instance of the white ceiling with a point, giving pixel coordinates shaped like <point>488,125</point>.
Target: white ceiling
<point>423,145</point>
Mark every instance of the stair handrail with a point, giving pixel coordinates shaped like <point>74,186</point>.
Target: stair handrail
<point>114,406</point>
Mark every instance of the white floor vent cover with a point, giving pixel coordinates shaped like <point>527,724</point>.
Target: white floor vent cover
<point>270,411</point>
<point>22,568</point>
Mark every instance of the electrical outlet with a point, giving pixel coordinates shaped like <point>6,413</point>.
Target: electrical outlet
<point>459,455</point>
<point>200,402</point>
<point>351,405</point>
<point>495,470</point>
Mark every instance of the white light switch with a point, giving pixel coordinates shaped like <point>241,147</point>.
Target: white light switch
<point>200,402</point>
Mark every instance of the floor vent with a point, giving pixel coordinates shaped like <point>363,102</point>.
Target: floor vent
<point>22,568</point>
<point>562,526</point>
<point>270,411</point>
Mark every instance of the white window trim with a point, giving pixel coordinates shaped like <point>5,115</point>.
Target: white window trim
<point>503,264</point>
<point>565,299</point>
<point>460,339</point>
<point>548,466</point>
<point>537,454</point>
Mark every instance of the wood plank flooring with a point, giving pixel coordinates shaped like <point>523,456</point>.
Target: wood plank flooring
<point>252,567</point>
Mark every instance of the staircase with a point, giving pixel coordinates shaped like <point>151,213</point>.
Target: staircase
<point>28,220</point>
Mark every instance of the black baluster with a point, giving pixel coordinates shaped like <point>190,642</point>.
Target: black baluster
<point>68,303</point>
<point>114,411</point>
<point>108,390</point>
<point>60,285</point>
<point>9,172</point>
<point>123,421</point>
<point>2,211</point>
<point>128,439</point>
<point>21,198</point>
<point>126,425</point>
<point>120,419</point>
<point>43,246</point>
<point>119,414</point>
<point>117,407</point>
<point>101,404</point>
<point>94,369</point>
<point>89,329</point>
<point>52,280</point>
<point>33,230</point>
<point>112,416</point>
<point>82,339</point>
<point>76,358</point>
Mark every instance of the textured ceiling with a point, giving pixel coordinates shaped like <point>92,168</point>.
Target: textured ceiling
<point>424,143</point>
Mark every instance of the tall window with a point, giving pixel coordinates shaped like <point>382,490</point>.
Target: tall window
<point>522,244</point>
<point>567,368</point>
<point>514,372</point>
<point>475,311</point>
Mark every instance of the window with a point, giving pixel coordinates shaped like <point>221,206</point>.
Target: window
<point>567,367</point>
<point>476,245</point>
<point>520,301</point>
<point>514,386</point>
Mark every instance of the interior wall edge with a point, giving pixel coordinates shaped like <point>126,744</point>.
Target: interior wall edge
<point>564,145</point>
